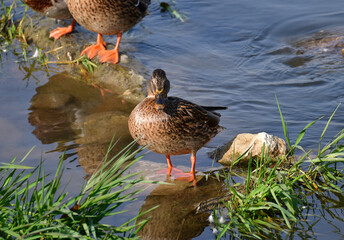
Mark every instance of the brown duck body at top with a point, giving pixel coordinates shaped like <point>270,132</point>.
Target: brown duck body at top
<point>109,17</point>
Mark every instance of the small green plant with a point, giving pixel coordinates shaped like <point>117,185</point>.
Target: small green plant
<point>274,194</point>
<point>169,7</point>
<point>82,61</point>
<point>9,28</point>
<point>35,208</point>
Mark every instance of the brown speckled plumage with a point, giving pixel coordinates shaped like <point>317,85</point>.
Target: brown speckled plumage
<point>182,127</point>
<point>50,8</point>
<point>108,17</point>
<point>179,127</point>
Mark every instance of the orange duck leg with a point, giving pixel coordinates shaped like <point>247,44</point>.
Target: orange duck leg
<point>190,176</point>
<point>93,50</point>
<point>59,32</point>
<point>111,56</point>
<point>170,170</point>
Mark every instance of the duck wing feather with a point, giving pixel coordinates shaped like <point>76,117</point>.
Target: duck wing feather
<point>188,110</point>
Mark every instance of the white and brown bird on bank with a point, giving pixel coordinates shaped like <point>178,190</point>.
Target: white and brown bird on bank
<point>171,125</point>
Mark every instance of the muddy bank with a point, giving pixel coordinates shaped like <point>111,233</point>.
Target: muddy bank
<point>126,78</point>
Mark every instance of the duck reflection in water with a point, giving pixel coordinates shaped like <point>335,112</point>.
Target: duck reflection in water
<point>175,218</point>
<point>74,115</point>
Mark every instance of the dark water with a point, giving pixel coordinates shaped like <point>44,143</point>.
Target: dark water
<point>239,54</point>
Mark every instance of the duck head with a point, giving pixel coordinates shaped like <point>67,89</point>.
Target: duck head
<point>158,87</point>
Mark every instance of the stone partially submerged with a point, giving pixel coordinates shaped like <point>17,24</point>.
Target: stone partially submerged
<point>248,145</point>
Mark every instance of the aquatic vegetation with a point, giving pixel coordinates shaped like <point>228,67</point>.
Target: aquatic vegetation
<point>274,196</point>
<point>11,29</point>
<point>33,206</point>
<point>171,9</point>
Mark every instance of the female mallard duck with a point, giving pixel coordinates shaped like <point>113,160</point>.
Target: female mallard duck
<point>54,9</point>
<point>109,17</point>
<point>171,125</point>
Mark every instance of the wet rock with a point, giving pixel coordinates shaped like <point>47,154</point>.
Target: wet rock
<point>126,77</point>
<point>297,61</point>
<point>317,49</point>
<point>321,41</point>
<point>250,144</point>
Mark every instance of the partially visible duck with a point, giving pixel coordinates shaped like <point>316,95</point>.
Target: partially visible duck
<point>171,125</point>
<point>53,9</point>
<point>109,17</point>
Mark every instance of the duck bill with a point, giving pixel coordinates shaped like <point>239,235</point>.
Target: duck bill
<point>159,102</point>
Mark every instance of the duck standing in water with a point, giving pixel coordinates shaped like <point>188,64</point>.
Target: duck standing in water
<point>171,125</point>
<point>53,9</point>
<point>109,17</point>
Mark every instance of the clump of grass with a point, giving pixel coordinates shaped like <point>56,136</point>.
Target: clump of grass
<point>39,209</point>
<point>273,195</point>
<point>9,28</point>
<point>81,61</point>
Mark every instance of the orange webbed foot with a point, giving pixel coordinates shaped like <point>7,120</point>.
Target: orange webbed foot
<point>59,32</point>
<point>170,171</point>
<point>110,56</point>
<point>93,50</point>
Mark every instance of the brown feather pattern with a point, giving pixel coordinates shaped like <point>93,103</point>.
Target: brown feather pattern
<point>108,17</point>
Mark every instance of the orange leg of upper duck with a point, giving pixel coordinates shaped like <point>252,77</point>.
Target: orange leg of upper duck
<point>103,90</point>
<point>58,32</point>
<point>170,170</point>
<point>111,56</point>
<point>190,176</point>
<point>93,50</point>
